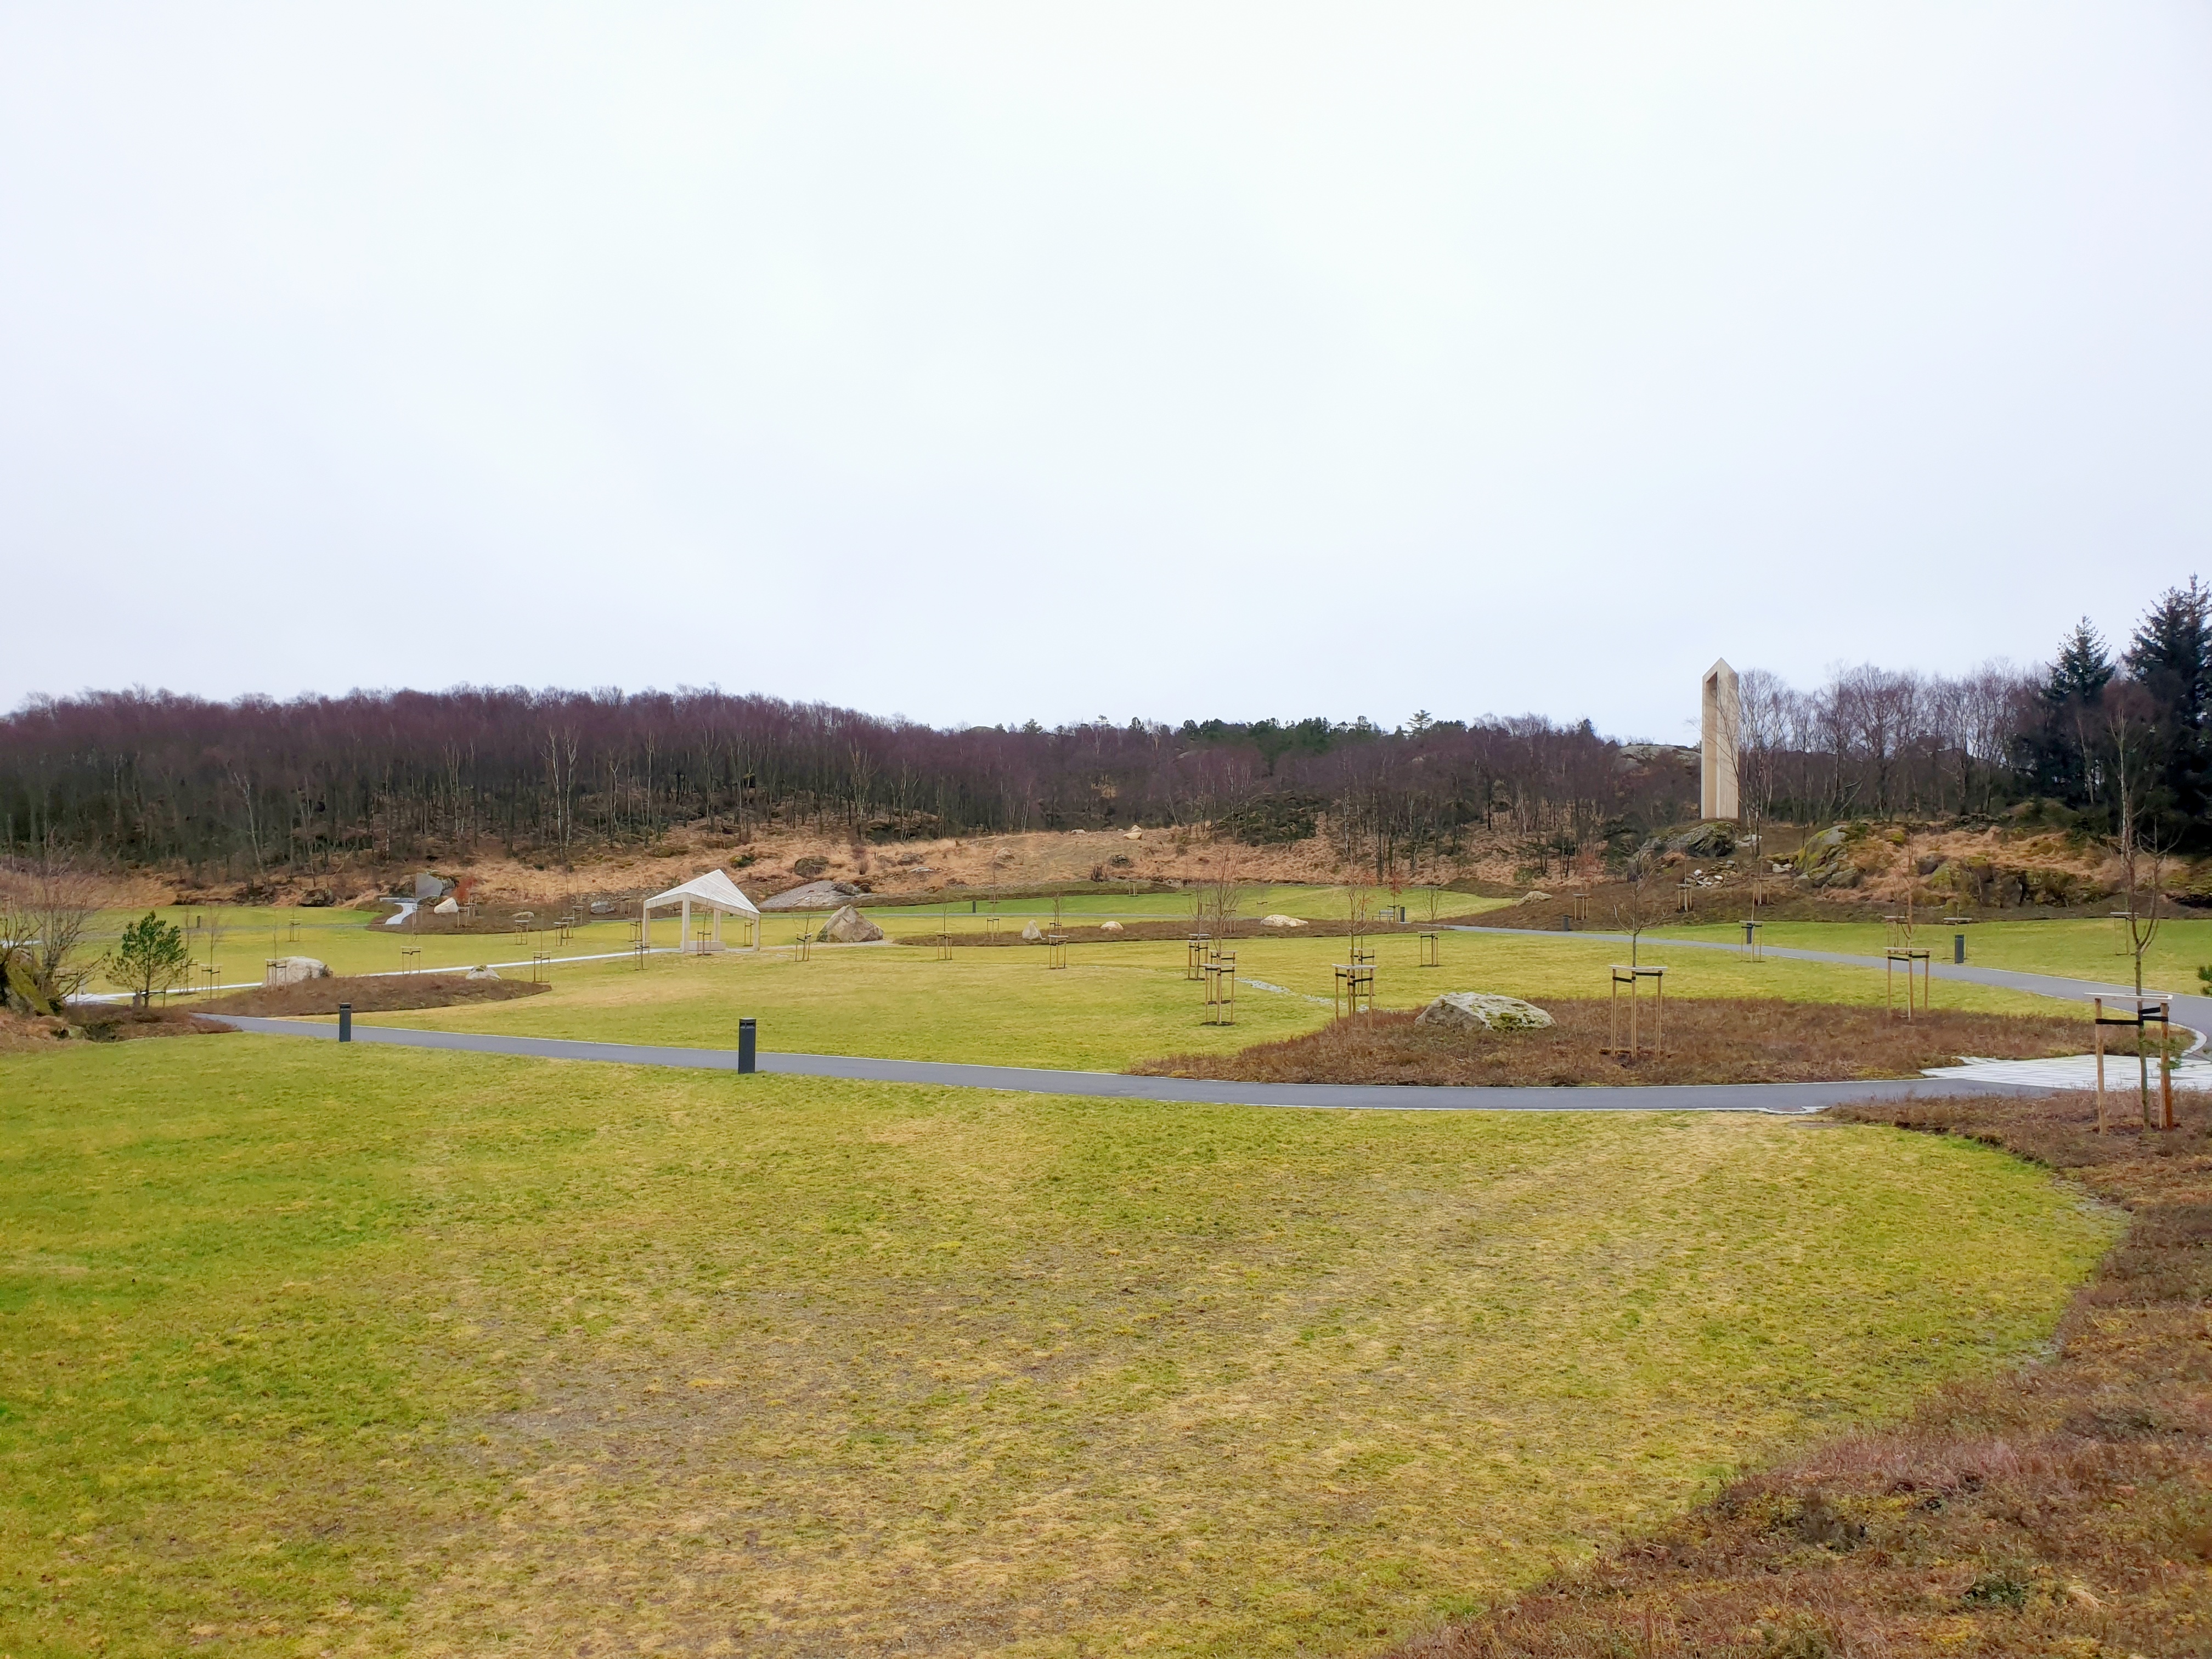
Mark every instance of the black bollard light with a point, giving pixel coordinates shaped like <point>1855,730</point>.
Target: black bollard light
<point>345,1022</point>
<point>746,1033</point>
<point>1958,947</point>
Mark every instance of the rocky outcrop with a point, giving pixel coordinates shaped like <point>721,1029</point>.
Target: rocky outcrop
<point>1473,1010</point>
<point>1706,840</point>
<point>813,896</point>
<point>1825,860</point>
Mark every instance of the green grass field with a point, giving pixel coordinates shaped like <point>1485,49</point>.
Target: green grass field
<point>2080,950</point>
<point>1115,1003</point>
<point>245,937</point>
<point>366,1350</point>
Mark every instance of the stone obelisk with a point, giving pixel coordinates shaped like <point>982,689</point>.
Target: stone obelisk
<point>1716,795</point>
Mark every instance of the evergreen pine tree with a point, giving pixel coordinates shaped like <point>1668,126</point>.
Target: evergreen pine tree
<point>2082,671</point>
<point>152,956</point>
<point>2170,658</point>
<point>2056,751</point>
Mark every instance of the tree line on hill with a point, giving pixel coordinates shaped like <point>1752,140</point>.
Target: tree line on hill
<point>253,787</point>
<point>2084,739</point>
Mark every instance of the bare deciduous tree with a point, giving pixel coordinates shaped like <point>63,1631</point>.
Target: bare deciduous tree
<point>47,905</point>
<point>1640,907</point>
<point>2131,769</point>
<point>1359,912</point>
<point>1221,898</point>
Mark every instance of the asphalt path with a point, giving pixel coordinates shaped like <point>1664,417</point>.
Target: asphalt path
<point>1786,1099</point>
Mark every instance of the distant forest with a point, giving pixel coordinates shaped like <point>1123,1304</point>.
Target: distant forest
<point>253,787</point>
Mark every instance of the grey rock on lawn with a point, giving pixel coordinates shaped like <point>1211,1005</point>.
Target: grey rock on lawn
<point>1472,1010</point>
<point>480,973</point>
<point>294,970</point>
<point>849,926</point>
<point>1280,921</point>
<point>1031,934</point>
<point>1110,927</point>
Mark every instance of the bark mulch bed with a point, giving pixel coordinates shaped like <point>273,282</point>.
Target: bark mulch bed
<point>2063,1510</point>
<point>1720,1040</point>
<point>372,994</point>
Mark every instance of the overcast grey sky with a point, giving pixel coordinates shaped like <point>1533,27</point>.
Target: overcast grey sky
<point>980,362</point>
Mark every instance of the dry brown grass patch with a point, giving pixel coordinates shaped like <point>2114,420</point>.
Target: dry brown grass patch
<point>1715,1040</point>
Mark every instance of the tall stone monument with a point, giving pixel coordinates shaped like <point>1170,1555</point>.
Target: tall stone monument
<point>1717,796</point>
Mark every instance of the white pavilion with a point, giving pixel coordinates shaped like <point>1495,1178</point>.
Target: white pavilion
<point>716,896</point>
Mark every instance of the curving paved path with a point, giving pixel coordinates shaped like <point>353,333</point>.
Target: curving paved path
<point>1788,1099</point>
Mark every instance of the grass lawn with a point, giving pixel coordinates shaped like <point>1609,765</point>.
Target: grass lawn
<point>2080,950</point>
<point>346,939</point>
<point>369,1351</point>
<point>353,942</point>
<point>1115,1005</point>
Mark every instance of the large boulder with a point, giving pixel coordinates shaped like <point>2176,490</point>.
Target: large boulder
<point>295,971</point>
<point>480,971</point>
<point>1031,934</point>
<point>1110,927</point>
<point>1470,1010</point>
<point>1280,921</point>
<point>849,926</point>
<point>448,906</point>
